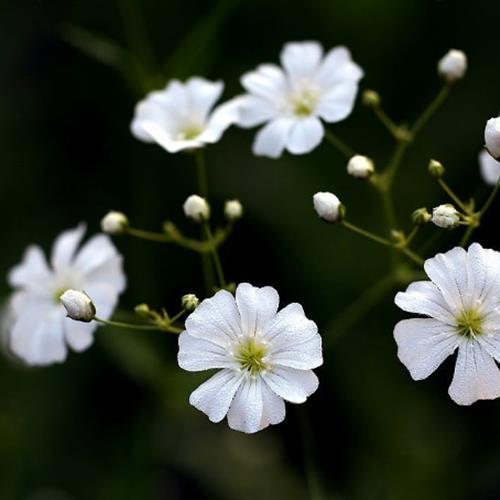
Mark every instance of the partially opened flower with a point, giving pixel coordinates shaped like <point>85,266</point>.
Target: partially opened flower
<point>460,310</point>
<point>489,167</point>
<point>181,116</point>
<point>293,100</point>
<point>40,332</point>
<point>264,356</point>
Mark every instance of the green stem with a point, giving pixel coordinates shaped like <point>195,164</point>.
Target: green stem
<point>366,234</point>
<point>453,196</point>
<point>201,171</point>
<point>215,255</point>
<point>395,163</point>
<point>431,109</point>
<point>412,235</point>
<point>339,144</point>
<point>466,237</point>
<point>387,122</point>
<point>413,256</point>
<point>490,199</point>
<point>130,326</point>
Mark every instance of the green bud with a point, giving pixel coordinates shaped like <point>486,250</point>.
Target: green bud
<point>142,310</point>
<point>190,302</point>
<point>371,98</point>
<point>421,216</point>
<point>436,169</point>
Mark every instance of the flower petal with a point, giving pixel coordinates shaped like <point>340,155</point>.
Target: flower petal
<point>476,375</point>
<point>65,247</point>
<point>78,335</point>
<point>336,67</point>
<point>271,139</point>
<point>104,297</point>
<point>305,135</point>
<point>337,104</point>
<point>222,118</point>
<point>268,82</point>
<point>489,167</point>
<point>257,306</point>
<point>423,344</point>
<point>274,410</point>
<point>202,95</point>
<point>214,396</point>
<point>110,273</point>
<point>254,110</point>
<point>290,384</point>
<point>199,354</point>
<point>246,410</point>
<point>293,339</point>
<point>32,273</point>
<point>301,59</point>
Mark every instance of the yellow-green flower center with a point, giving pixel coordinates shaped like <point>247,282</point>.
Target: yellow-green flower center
<point>191,132</point>
<point>469,323</point>
<point>250,355</point>
<point>304,103</point>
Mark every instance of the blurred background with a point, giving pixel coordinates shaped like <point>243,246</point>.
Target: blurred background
<point>114,422</point>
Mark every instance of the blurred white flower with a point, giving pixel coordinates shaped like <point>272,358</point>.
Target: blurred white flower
<point>40,331</point>
<point>453,65</point>
<point>360,166</point>
<point>293,100</point>
<point>181,116</point>
<point>445,216</point>
<point>461,309</point>
<point>233,210</point>
<point>492,137</point>
<point>489,167</point>
<point>195,207</point>
<point>78,305</point>
<point>264,356</point>
<point>327,206</point>
<point>114,223</point>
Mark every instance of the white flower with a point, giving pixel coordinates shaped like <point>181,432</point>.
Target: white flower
<point>264,356</point>
<point>327,206</point>
<point>293,100</point>
<point>196,208</point>
<point>78,305</point>
<point>360,166</point>
<point>492,137</point>
<point>114,223</point>
<point>489,167</point>
<point>453,65</point>
<point>41,332</point>
<point>181,116</point>
<point>233,210</point>
<point>460,306</point>
<point>445,216</point>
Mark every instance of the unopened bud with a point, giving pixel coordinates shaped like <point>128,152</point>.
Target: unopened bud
<point>453,65</point>
<point>360,166</point>
<point>492,137</point>
<point>421,216</point>
<point>190,302</point>
<point>196,208</point>
<point>233,210</point>
<point>397,236</point>
<point>446,216</point>
<point>78,305</point>
<point>142,310</point>
<point>328,207</point>
<point>436,168</point>
<point>371,98</point>
<point>114,223</point>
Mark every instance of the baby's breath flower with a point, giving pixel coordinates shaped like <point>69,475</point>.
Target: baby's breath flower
<point>360,166</point>
<point>436,168</point>
<point>327,206</point>
<point>492,137</point>
<point>233,210</point>
<point>78,305</point>
<point>196,208</point>
<point>446,216</point>
<point>453,65</point>
<point>489,167</point>
<point>114,223</point>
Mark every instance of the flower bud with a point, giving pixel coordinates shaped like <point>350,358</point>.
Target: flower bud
<point>446,216</point>
<point>142,310</point>
<point>328,207</point>
<point>453,65</point>
<point>78,305</point>
<point>233,210</point>
<point>114,223</point>
<point>190,302</point>
<point>492,137</point>
<point>371,98</point>
<point>436,168</point>
<point>421,216</point>
<point>360,166</point>
<point>196,208</point>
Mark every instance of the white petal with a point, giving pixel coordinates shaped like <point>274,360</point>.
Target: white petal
<point>78,335</point>
<point>337,104</point>
<point>338,67</point>
<point>96,250</point>
<point>301,59</point>
<point>32,273</point>
<point>271,139</point>
<point>199,354</point>
<point>257,306</point>
<point>222,117</point>
<point>65,247</point>
<point>490,168</point>
<point>214,396</point>
<point>216,319</point>
<point>290,384</point>
<point>305,135</point>
<point>254,110</point>
<point>166,140</point>
<point>293,339</point>
<point>274,410</point>
<point>246,410</point>
<point>476,375</point>
<point>104,297</point>
<point>423,344</point>
<point>267,81</point>
<point>202,95</point>
<point>109,273</point>
<point>424,297</point>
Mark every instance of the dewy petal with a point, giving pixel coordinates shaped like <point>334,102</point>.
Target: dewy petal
<point>290,384</point>
<point>216,319</point>
<point>476,375</point>
<point>202,95</point>
<point>254,110</point>
<point>274,410</point>
<point>293,339</point>
<point>32,273</point>
<point>337,103</point>
<point>65,247</point>
<point>199,354</point>
<point>305,135</point>
<point>214,396</point>
<point>271,139</point>
<point>246,410</point>
<point>78,335</point>
<point>424,297</point>
<point>423,344</point>
<point>489,167</point>
<point>222,117</point>
<point>257,306</point>
<point>337,66</point>
<point>301,59</point>
<point>268,82</point>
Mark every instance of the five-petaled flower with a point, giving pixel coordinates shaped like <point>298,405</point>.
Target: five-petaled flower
<point>461,309</point>
<point>292,101</point>
<point>264,356</point>
<point>181,117</point>
<point>40,331</point>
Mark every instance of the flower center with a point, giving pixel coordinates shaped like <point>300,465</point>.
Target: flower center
<point>190,132</point>
<point>250,355</point>
<point>469,323</point>
<point>304,102</point>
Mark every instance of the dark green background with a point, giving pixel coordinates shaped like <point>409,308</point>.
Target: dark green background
<point>114,422</point>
